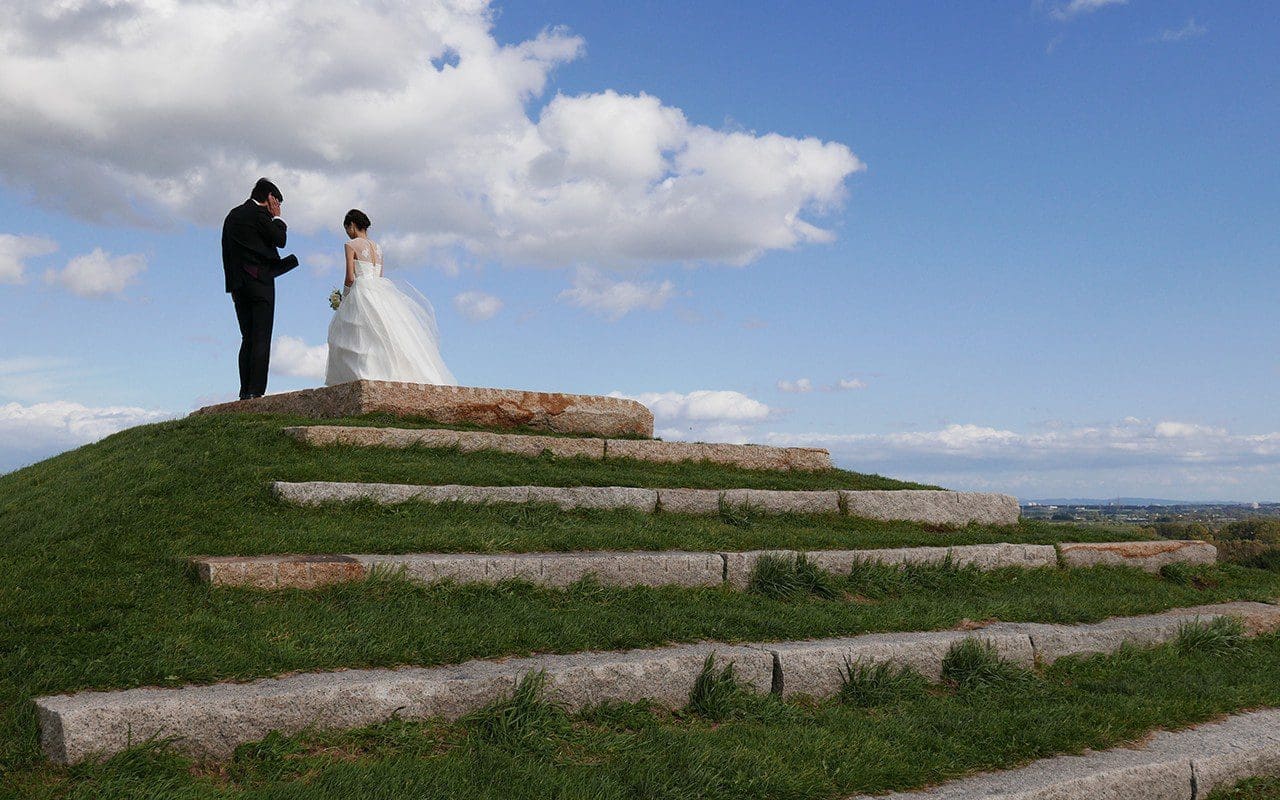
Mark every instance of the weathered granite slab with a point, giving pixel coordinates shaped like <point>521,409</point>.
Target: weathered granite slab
<point>558,569</point>
<point>776,501</point>
<point>1149,556</point>
<point>1181,765</point>
<point>1052,642</point>
<point>932,506</point>
<point>278,571</point>
<point>465,441</point>
<point>212,721</point>
<point>497,408</point>
<point>745,456</point>
<point>748,456</point>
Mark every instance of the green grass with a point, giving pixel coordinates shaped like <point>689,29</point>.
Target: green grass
<point>740,746</point>
<point>1254,789</point>
<point>94,591</point>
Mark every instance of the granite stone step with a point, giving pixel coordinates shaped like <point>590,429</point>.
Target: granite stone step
<point>451,405</point>
<point>614,568</point>
<point>933,507</point>
<point>747,456</point>
<point>1169,765</point>
<point>212,720</point>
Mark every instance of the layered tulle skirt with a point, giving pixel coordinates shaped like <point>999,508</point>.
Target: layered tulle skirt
<point>381,332</point>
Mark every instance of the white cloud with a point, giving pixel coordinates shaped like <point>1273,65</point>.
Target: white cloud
<point>477,306</point>
<point>292,356</point>
<point>1189,31</point>
<point>435,136</point>
<point>1074,8</point>
<point>98,273</point>
<point>704,415</point>
<point>615,299</point>
<point>33,432</point>
<point>850,384</point>
<point>800,386</point>
<point>15,249</point>
<point>1129,457</point>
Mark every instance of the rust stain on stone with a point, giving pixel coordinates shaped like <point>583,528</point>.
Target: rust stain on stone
<point>1136,549</point>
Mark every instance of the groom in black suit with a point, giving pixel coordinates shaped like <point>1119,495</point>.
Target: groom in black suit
<point>251,237</point>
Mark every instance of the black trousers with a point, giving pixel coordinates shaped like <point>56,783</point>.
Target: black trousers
<point>255,311</point>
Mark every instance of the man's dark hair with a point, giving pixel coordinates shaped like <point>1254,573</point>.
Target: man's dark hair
<point>263,188</point>
<point>356,217</point>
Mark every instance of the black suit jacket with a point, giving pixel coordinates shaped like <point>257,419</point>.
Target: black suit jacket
<point>251,239</point>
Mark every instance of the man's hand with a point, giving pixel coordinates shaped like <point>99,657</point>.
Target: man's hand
<point>273,205</point>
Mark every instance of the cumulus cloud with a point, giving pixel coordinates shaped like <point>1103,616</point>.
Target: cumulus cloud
<point>15,249</point>
<point>33,432</point>
<point>1075,8</point>
<point>443,137</point>
<point>850,384</point>
<point>800,386</point>
<point>615,299</point>
<point>98,273</point>
<point>1191,30</point>
<point>1128,457</point>
<point>292,356</point>
<point>477,306</point>
<point>703,405</point>
<point>707,415</point>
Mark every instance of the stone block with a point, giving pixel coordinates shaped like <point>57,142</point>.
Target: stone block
<point>1052,642</point>
<point>277,571</point>
<point>1225,753</point>
<point>1120,774</point>
<point>689,501</point>
<point>932,507</point>
<point>595,497</point>
<point>816,668</point>
<point>1148,555</point>
<point>465,441</point>
<point>746,456</point>
<point>211,721</point>
<point>496,408</point>
<point>557,569</point>
<point>999,556</point>
<point>771,501</point>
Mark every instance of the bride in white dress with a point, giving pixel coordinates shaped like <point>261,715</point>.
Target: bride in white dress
<point>379,332</point>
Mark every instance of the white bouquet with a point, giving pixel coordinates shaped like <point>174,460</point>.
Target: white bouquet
<point>335,299</point>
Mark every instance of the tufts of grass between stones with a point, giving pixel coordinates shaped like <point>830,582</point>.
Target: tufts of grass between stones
<point>888,730</point>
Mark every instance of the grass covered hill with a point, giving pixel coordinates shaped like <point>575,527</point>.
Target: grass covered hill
<point>95,594</point>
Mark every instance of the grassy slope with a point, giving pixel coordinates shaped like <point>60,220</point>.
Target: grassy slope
<point>93,592</point>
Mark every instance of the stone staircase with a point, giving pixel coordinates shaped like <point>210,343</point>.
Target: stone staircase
<point>211,721</point>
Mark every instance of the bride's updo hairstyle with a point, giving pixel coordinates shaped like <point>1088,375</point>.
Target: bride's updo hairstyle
<point>358,218</point>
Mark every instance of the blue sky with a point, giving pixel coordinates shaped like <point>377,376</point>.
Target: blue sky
<point>1027,246</point>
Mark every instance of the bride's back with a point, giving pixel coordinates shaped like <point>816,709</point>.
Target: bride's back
<point>366,250</point>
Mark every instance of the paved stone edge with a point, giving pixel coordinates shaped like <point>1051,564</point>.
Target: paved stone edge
<point>1181,765</point>
<point>212,720</point>
<point>747,456</point>
<point>619,568</point>
<point>928,506</point>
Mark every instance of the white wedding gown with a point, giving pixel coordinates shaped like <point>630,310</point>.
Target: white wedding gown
<point>381,333</point>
